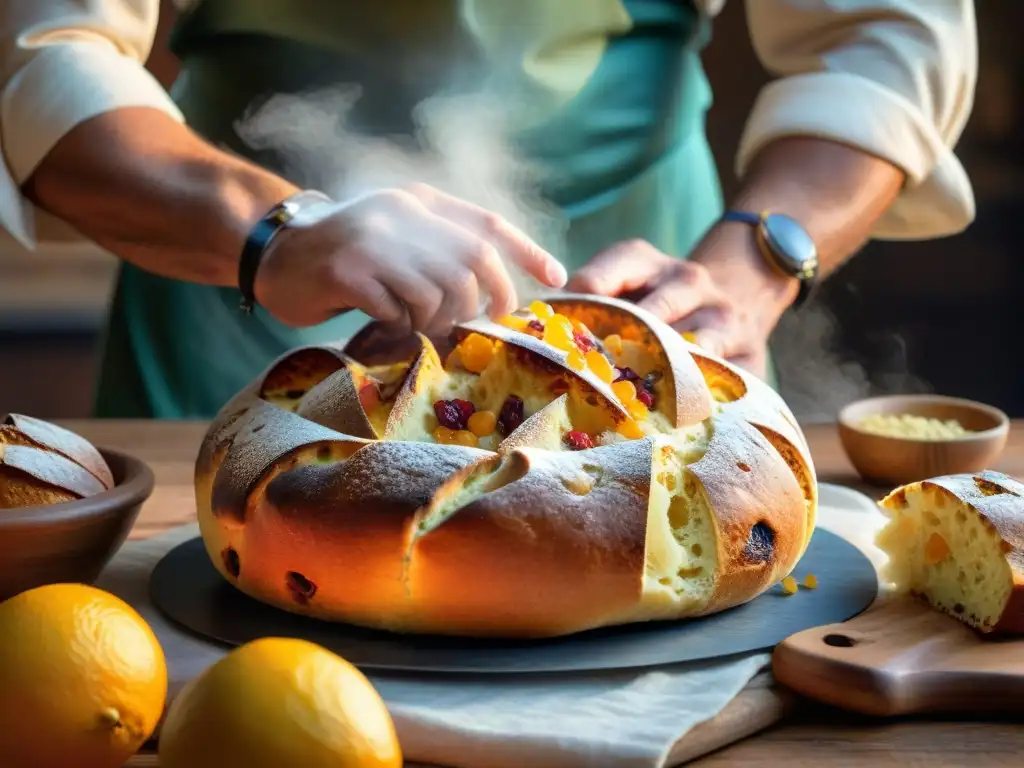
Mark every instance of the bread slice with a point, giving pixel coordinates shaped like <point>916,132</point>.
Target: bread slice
<point>958,541</point>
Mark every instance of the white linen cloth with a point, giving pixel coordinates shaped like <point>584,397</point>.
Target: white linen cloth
<point>602,720</point>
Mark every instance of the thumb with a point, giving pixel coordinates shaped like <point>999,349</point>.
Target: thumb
<point>621,268</point>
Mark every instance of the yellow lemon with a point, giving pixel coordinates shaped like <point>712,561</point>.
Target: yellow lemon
<point>83,679</point>
<point>279,702</point>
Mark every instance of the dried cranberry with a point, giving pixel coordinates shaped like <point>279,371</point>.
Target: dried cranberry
<point>535,325</point>
<point>583,341</point>
<point>644,396</point>
<point>467,409</point>
<point>449,414</point>
<point>626,374</point>
<point>578,441</point>
<point>511,414</point>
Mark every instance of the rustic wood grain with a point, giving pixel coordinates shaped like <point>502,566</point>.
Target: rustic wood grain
<point>902,657</point>
<point>812,735</point>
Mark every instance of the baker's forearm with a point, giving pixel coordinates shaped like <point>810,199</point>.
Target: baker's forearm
<point>837,192</point>
<point>146,188</point>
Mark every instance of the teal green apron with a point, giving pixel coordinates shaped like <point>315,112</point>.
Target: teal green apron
<point>616,123</point>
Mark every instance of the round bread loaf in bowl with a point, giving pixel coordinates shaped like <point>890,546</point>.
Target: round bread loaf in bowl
<point>576,465</point>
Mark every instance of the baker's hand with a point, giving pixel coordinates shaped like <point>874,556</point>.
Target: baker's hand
<point>413,257</point>
<point>725,294</point>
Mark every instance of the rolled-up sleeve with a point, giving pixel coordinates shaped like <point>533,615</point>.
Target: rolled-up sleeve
<point>894,78</point>
<point>62,63</point>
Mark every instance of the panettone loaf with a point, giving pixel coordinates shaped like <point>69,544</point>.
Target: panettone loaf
<point>958,541</point>
<point>578,464</point>
<point>41,463</point>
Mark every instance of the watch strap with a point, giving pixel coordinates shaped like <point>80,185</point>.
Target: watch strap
<point>260,237</point>
<point>806,273</point>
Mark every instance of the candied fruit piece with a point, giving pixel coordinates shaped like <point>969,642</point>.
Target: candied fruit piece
<point>578,440</point>
<point>575,360</point>
<point>443,435</point>
<point>629,429</point>
<point>637,409</point>
<point>464,437</point>
<point>511,414</point>
<point>626,374</point>
<point>624,390</point>
<point>558,333</point>
<point>582,341</point>
<point>449,414</point>
<point>599,364</point>
<point>690,336</point>
<point>535,325</point>
<point>613,343</point>
<point>935,550</point>
<point>651,379</point>
<point>541,310</point>
<point>515,322</point>
<point>482,423</point>
<point>644,396</point>
<point>369,396</point>
<point>466,407</point>
<point>476,352</point>
<point>789,585</point>
<point>811,581</point>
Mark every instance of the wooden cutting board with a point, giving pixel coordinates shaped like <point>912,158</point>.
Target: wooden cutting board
<point>902,657</point>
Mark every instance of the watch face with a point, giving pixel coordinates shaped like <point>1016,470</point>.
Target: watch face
<point>791,244</point>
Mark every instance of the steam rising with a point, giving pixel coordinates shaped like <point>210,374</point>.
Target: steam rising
<point>458,146</point>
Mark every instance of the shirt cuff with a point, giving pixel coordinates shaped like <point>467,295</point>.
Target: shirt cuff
<point>937,199</point>
<point>61,86</point>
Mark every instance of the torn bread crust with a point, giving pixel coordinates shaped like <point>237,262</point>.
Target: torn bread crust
<point>344,525</point>
<point>555,545</point>
<point>758,510</point>
<point>976,522</point>
<point>690,399</point>
<point>529,540</point>
<point>29,431</point>
<point>334,403</point>
<point>31,476</point>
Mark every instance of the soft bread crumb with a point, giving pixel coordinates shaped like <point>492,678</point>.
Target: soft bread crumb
<point>939,547</point>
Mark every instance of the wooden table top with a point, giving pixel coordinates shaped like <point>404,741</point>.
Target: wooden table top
<point>814,735</point>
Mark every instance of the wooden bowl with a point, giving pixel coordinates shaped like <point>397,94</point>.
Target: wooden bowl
<point>74,540</point>
<point>894,461</point>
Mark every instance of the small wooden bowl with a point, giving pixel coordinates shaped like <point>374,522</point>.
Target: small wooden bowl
<point>72,541</point>
<point>885,460</point>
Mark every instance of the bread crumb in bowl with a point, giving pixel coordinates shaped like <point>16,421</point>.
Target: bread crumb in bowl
<point>913,427</point>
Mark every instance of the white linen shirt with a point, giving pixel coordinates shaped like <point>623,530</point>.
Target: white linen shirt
<point>895,78</point>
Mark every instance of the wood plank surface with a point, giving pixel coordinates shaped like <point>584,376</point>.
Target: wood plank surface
<point>812,735</point>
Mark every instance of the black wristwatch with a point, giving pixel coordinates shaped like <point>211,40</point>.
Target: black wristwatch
<point>785,245</point>
<point>285,213</point>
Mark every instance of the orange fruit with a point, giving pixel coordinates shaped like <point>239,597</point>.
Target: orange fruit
<point>599,364</point>
<point>84,679</point>
<point>279,702</point>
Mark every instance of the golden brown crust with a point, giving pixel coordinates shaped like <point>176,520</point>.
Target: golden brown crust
<point>26,430</point>
<point>511,564</point>
<point>334,403</point>
<point>344,528</point>
<point>32,476</point>
<point>531,540</point>
<point>758,510</point>
<point>690,401</point>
